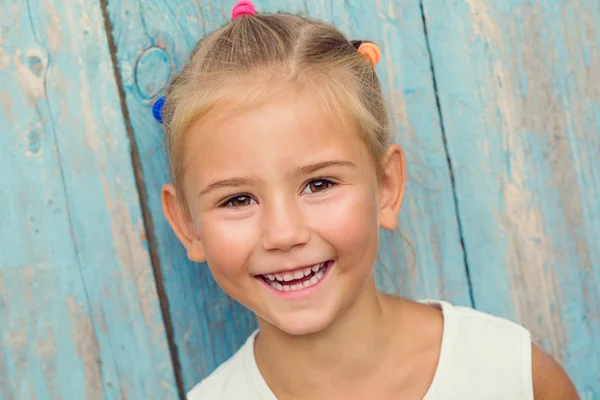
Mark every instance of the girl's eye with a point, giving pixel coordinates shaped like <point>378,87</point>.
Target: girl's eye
<point>319,185</point>
<point>238,202</point>
<point>314,186</point>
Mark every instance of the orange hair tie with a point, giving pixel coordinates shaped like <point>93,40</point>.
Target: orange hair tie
<point>370,51</point>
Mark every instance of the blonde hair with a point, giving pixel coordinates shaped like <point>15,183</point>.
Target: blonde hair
<point>256,57</point>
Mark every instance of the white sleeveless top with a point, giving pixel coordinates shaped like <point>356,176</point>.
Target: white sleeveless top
<point>481,357</point>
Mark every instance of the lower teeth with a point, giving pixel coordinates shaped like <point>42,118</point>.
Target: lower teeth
<point>286,288</point>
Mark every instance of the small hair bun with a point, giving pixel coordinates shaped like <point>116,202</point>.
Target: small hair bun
<point>157,108</point>
<point>370,51</point>
<point>242,7</point>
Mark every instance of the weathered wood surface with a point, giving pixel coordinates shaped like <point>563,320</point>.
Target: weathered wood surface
<point>79,316</point>
<point>153,39</point>
<point>520,101</point>
<point>519,89</point>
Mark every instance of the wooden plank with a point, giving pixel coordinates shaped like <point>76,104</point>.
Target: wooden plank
<point>153,39</point>
<point>518,85</point>
<point>79,316</point>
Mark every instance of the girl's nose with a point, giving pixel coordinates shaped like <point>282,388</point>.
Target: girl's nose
<point>283,227</point>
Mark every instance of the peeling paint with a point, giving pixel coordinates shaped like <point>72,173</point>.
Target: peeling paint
<point>529,201</point>
<point>132,254</point>
<point>483,25</point>
<point>87,347</point>
<point>90,125</point>
<point>6,105</point>
<point>53,31</point>
<point>65,129</point>
<point>28,80</point>
<point>5,58</point>
<point>45,348</point>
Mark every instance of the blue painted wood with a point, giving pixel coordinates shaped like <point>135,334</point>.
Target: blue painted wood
<point>207,325</point>
<point>153,39</point>
<point>79,316</point>
<point>519,93</point>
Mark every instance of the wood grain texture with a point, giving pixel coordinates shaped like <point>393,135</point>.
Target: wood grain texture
<point>79,317</point>
<point>153,39</point>
<point>520,99</point>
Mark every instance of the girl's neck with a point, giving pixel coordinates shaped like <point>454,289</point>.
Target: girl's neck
<point>353,348</point>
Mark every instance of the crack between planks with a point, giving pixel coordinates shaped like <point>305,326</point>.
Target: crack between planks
<point>448,158</point>
<point>143,199</point>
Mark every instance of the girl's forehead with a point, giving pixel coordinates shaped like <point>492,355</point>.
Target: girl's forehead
<point>288,118</point>
<point>283,134</point>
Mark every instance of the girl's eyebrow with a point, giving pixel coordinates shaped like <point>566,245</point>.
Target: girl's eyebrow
<point>231,182</point>
<point>309,169</point>
<point>247,180</point>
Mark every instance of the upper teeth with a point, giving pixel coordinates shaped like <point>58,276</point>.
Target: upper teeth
<point>289,276</point>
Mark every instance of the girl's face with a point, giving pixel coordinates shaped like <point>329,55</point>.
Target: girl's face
<point>280,192</point>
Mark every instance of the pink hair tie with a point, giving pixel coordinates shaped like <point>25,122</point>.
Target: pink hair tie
<point>242,7</point>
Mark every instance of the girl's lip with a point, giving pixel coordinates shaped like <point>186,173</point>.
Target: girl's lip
<point>298,293</point>
<point>283,272</point>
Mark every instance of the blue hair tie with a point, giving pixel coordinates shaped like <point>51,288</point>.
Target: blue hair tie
<point>157,108</point>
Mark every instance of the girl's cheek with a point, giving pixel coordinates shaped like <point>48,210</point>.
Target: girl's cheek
<point>228,242</point>
<point>348,220</point>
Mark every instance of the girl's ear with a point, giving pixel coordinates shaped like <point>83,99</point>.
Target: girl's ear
<point>392,186</point>
<point>182,224</point>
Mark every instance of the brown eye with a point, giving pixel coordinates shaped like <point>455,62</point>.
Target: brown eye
<point>239,201</point>
<point>319,185</point>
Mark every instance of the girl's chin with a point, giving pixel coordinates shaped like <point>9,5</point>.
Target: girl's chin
<point>297,325</point>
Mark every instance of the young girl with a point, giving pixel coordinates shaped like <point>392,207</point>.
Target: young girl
<point>283,172</point>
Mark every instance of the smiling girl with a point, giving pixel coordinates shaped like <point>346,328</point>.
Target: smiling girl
<point>283,173</point>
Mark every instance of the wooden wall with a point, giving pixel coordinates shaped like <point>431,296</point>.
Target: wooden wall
<point>497,103</point>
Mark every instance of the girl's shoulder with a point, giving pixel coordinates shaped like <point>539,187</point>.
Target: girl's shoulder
<point>236,378</point>
<point>480,355</point>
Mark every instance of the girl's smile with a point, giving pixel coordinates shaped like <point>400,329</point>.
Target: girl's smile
<point>297,283</point>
